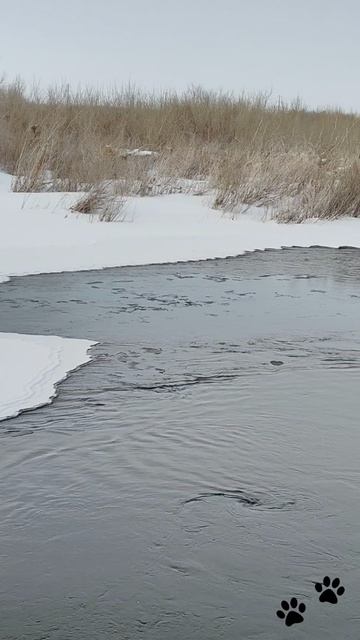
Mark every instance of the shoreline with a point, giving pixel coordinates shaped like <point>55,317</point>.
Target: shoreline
<point>39,235</point>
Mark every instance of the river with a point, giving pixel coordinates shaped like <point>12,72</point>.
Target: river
<point>203,467</point>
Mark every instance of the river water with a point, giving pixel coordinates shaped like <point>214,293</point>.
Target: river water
<point>203,467</point>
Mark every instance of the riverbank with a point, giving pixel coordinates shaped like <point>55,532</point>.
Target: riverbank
<point>39,234</point>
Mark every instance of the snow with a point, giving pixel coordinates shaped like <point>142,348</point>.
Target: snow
<point>141,153</point>
<point>31,366</point>
<point>135,153</point>
<point>38,234</point>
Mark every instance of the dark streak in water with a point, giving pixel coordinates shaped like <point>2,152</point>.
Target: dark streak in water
<point>238,495</point>
<point>243,498</point>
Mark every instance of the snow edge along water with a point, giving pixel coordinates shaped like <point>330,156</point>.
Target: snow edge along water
<point>39,235</point>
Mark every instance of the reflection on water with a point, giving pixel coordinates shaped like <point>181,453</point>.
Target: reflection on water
<point>203,467</point>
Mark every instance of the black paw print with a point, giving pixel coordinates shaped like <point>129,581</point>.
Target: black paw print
<point>332,590</point>
<point>291,612</point>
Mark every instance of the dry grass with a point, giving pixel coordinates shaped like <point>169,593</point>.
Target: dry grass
<point>296,162</point>
<point>102,200</point>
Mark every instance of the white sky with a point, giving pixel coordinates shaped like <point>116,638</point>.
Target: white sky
<point>306,48</point>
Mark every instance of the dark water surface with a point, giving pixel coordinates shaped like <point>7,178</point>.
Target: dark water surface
<point>203,467</point>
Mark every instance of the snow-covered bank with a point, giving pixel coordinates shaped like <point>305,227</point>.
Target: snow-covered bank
<point>31,366</point>
<point>38,234</point>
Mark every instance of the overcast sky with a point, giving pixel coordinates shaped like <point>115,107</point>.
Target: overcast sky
<point>306,48</point>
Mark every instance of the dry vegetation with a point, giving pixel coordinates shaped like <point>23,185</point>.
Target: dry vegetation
<point>298,163</point>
